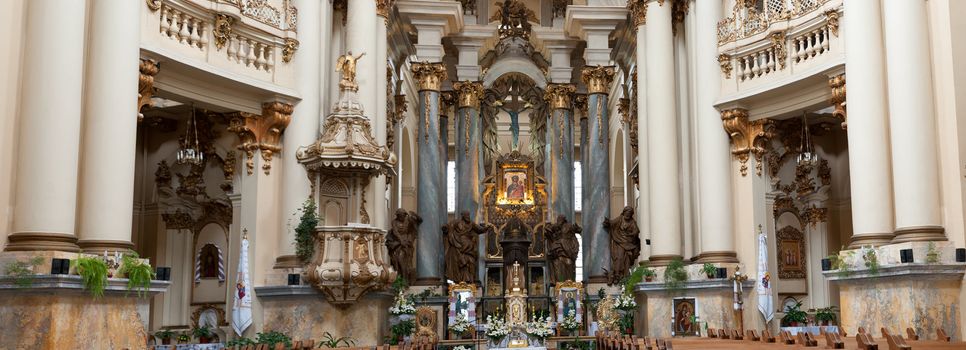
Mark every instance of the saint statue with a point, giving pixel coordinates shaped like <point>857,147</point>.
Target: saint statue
<point>514,122</point>
<point>625,244</point>
<point>462,248</point>
<point>347,65</point>
<point>562,249</point>
<point>400,242</point>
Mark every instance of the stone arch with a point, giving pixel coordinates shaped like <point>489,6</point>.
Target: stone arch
<point>515,64</point>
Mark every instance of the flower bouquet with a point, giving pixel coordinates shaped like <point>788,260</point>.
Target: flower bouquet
<point>625,302</point>
<point>539,329</point>
<point>402,305</point>
<point>496,330</point>
<point>570,323</point>
<point>461,325</point>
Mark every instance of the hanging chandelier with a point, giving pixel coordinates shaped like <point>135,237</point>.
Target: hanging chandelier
<point>190,151</point>
<point>807,156</point>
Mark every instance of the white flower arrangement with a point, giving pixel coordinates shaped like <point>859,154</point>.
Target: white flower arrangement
<point>541,328</point>
<point>402,305</point>
<point>496,327</point>
<point>625,301</point>
<point>462,347</point>
<point>570,322</point>
<point>461,324</point>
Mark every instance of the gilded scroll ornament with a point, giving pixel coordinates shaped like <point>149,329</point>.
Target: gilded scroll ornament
<point>724,60</point>
<point>580,104</point>
<point>832,18</point>
<point>624,109</point>
<point>288,49</point>
<point>429,76</point>
<point>222,29</point>
<point>153,5</point>
<point>147,69</point>
<point>747,137</point>
<point>781,54</point>
<point>638,11</point>
<point>837,83</point>
<point>384,8</point>
<point>261,133</point>
<point>679,10</point>
<point>347,66</point>
<point>597,78</point>
<point>813,215</point>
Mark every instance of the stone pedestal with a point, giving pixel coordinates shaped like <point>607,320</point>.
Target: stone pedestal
<point>303,313</point>
<point>56,313</point>
<point>713,300</point>
<point>922,296</point>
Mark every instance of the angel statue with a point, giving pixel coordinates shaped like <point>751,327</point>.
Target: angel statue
<point>347,65</point>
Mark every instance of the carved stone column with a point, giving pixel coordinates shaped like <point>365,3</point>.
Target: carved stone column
<point>560,143</point>
<point>597,191</point>
<point>468,136</point>
<point>45,201</point>
<point>915,158</point>
<point>662,142</point>
<point>429,182</point>
<point>380,204</point>
<point>714,162</point>
<point>870,168</point>
<point>110,128</point>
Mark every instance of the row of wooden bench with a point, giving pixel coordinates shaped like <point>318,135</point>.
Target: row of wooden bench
<point>629,342</point>
<point>833,340</point>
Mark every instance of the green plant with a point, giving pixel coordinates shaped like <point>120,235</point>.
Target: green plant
<point>675,275</point>
<point>184,337</point>
<point>871,260</point>
<point>709,269</point>
<point>401,330</point>
<point>399,285</point>
<point>239,342</point>
<point>202,332</point>
<point>93,272</point>
<point>794,314</point>
<point>272,338</point>
<point>330,341</point>
<point>305,231</point>
<point>23,271</point>
<point>841,263</point>
<point>932,254</point>
<point>164,334</point>
<point>826,314</point>
<point>636,276</point>
<point>139,274</point>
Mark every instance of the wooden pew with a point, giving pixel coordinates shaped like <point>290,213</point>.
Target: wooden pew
<point>751,335</point>
<point>644,343</point>
<point>766,336</point>
<point>864,341</point>
<point>787,338</point>
<point>667,345</point>
<point>723,334</point>
<point>833,341</point>
<point>804,339</point>
<point>941,334</point>
<point>661,345</point>
<point>712,333</point>
<point>911,333</point>
<point>736,335</point>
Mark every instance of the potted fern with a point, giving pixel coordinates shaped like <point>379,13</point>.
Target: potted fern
<point>165,335</point>
<point>709,269</point>
<point>273,337</point>
<point>794,315</point>
<point>138,273</point>
<point>203,333</point>
<point>826,315</point>
<point>93,272</point>
<point>330,341</point>
<point>675,275</point>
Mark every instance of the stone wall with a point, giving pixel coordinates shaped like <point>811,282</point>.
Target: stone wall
<point>308,316</point>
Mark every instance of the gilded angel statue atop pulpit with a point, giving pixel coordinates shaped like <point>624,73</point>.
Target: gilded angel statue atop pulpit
<point>347,66</point>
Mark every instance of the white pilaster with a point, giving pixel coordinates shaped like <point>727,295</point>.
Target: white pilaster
<point>915,160</point>
<point>594,24</point>
<point>109,127</point>
<point>53,67</point>
<point>433,20</point>
<point>869,164</point>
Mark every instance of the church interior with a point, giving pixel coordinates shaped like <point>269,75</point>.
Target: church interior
<point>482,174</point>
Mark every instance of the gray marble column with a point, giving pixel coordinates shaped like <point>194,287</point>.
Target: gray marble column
<point>581,107</point>
<point>443,157</point>
<point>468,143</point>
<point>560,143</point>
<point>429,248</point>
<point>597,189</point>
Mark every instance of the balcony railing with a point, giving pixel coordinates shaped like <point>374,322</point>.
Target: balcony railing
<point>751,17</point>
<point>229,37</point>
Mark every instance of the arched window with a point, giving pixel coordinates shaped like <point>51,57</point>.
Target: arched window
<point>209,263</point>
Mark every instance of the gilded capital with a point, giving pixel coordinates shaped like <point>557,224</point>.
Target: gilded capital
<point>747,137</point>
<point>597,78</point>
<point>837,84</point>
<point>147,70</point>
<point>261,133</point>
<point>469,93</point>
<point>429,76</point>
<point>384,8</point>
<point>559,96</point>
<point>638,11</point>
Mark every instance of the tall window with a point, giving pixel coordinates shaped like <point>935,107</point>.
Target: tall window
<point>578,188</point>
<point>451,186</point>
<point>579,264</point>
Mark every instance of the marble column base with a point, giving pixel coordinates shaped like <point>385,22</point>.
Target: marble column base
<point>302,313</point>
<point>873,239</point>
<point>713,304</point>
<point>922,296</point>
<point>716,257</point>
<point>287,262</point>
<point>662,260</point>
<point>41,241</point>
<point>94,246</point>
<point>920,234</point>
<point>56,313</point>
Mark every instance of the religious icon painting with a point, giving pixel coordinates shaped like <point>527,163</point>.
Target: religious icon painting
<point>516,188</point>
<point>791,253</point>
<point>685,317</point>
